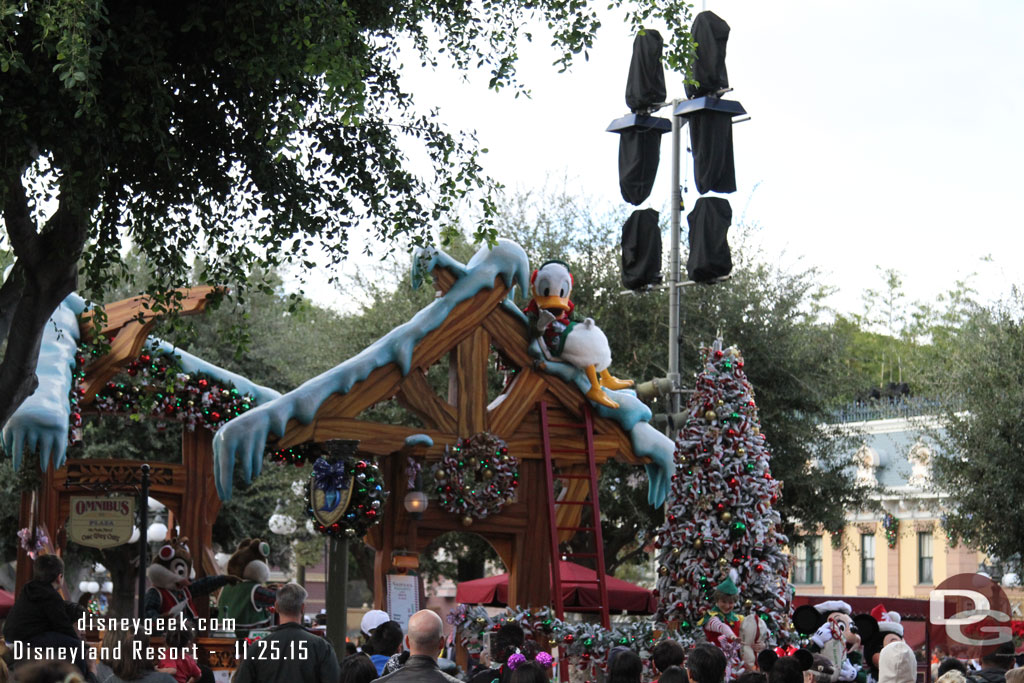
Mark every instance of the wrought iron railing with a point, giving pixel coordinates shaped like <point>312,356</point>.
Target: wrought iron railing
<point>889,408</point>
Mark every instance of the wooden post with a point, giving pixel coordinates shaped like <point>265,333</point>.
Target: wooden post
<point>200,503</point>
<point>529,584</point>
<point>336,600</point>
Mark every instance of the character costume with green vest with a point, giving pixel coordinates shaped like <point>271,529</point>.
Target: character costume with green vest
<point>249,602</point>
<point>718,623</point>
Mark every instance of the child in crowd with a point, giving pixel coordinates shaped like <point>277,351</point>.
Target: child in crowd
<point>184,668</point>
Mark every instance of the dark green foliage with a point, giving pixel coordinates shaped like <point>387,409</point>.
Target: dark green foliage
<point>982,437</point>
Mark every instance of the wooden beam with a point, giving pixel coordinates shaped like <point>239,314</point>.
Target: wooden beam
<point>126,347</point>
<point>509,334</point>
<point>374,438</point>
<point>471,359</point>
<point>380,385</point>
<point>521,399</point>
<point>459,324</point>
<point>120,313</point>
<point>383,383</point>
<point>416,394</point>
<point>527,446</point>
<point>443,279</point>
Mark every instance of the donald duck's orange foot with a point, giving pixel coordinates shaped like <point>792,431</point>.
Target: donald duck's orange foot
<point>597,396</point>
<point>614,383</point>
<point>594,393</point>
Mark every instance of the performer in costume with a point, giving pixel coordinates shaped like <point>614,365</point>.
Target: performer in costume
<point>583,345</point>
<point>248,601</point>
<point>173,591</point>
<point>721,621</point>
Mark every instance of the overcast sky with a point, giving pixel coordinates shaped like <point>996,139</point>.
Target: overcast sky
<point>882,134</point>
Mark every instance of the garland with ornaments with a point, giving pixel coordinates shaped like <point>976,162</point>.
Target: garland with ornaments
<point>476,477</point>
<point>891,524</point>
<point>586,644</point>
<point>296,455</point>
<point>154,385</point>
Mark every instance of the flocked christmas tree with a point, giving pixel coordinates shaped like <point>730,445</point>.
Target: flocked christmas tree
<point>720,513</point>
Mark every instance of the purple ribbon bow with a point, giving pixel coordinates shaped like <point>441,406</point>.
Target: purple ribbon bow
<point>329,475</point>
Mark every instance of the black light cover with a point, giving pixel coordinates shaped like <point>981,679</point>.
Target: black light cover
<point>639,154</point>
<point>645,85</point>
<point>641,249</point>
<point>714,169</point>
<point>711,33</point>
<point>709,247</point>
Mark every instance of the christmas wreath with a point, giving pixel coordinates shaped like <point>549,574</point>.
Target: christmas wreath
<point>476,477</point>
<point>365,503</point>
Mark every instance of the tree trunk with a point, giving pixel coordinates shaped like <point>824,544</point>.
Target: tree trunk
<point>45,272</point>
<point>123,565</point>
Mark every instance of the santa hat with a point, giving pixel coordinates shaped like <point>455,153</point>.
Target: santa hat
<point>888,622</point>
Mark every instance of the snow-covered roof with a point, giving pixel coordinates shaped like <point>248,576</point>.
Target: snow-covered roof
<point>42,420</point>
<point>243,440</point>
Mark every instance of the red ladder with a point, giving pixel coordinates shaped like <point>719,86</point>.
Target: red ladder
<point>587,427</point>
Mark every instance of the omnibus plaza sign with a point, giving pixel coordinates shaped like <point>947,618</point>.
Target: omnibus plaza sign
<point>101,521</point>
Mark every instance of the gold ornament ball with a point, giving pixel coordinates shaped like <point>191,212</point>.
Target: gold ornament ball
<point>680,581</point>
<point>721,402</point>
<point>440,475</point>
<point>748,603</point>
<point>488,474</point>
<point>726,517</point>
<point>663,571</point>
<point>756,431</point>
<point>467,521</point>
<point>723,561</point>
<point>710,416</point>
<point>699,543</point>
<point>677,551</point>
<point>741,451</point>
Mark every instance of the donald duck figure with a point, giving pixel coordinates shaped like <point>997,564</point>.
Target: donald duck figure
<point>582,345</point>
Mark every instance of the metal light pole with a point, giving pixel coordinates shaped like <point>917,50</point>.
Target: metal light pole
<point>673,276</point>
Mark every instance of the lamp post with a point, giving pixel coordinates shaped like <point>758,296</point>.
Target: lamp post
<point>336,600</point>
<point>143,537</point>
<point>704,103</point>
<point>673,276</point>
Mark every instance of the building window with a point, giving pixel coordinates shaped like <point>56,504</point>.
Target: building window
<point>867,558</point>
<point>807,568</point>
<point>924,557</point>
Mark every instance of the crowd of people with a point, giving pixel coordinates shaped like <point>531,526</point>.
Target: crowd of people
<point>41,619</point>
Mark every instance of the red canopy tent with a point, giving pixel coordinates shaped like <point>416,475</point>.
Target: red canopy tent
<point>578,592</point>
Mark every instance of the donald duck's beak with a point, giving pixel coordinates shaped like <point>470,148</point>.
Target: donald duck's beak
<point>550,302</point>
